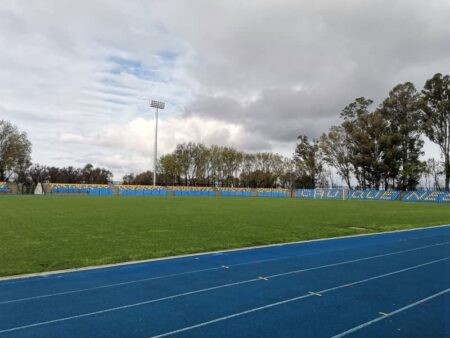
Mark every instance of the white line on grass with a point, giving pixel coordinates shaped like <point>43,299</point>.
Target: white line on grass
<point>238,314</point>
<point>203,290</point>
<point>204,270</point>
<point>387,315</point>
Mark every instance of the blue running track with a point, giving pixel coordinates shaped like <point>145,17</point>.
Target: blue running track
<point>387,285</point>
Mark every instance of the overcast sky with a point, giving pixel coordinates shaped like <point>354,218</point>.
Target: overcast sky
<point>254,74</point>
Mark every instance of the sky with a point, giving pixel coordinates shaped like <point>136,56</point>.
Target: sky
<point>77,75</point>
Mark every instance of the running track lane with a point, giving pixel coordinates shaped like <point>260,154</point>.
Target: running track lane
<point>320,288</point>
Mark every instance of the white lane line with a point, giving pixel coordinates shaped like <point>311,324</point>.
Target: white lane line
<point>387,315</point>
<point>123,307</point>
<point>210,269</point>
<point>204,290</point>
<point>238,314</point>
<point>315,294</point>
<point>108,285</point>
<point>354,260</point>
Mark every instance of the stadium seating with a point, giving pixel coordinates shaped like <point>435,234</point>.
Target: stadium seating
<point>3,187</point>
<point>273,192</point>
<point>427,196</point>
<point>141,190</point>
<point>320,193</point>
<point>377,195</point>
<point>193,191</point>
<point>332,193</point>
<point>336,194</point>
<point>88,189</point>
<point>235,192</point>
<point>304,193</point>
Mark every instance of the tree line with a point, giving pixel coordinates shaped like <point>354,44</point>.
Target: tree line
<point>194,164</point>
<point>382,147</point>
<point>371,148</point>
<point>87,174</point>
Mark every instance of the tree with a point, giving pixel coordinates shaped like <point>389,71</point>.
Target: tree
<point>144,178</point>
<point>38,174</point>
<point>436,116</point>
<point>215,166</point>
<point>15,151</point>
<point>88,173</point>
<point>128,178</point>
<point>70,175</point>
<point>231,162</point>
<point>432,174</point>
<point>170,170</point>
<point>199,163</point>
<point>91,175</point>
<point>309,162</point>
<point>365,143</point>
<point>261,170</point>
<point>183,153</point>
<point>335,147</point>
<point>401,110</point>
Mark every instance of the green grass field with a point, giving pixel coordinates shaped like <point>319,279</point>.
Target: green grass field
<point>50,233</point>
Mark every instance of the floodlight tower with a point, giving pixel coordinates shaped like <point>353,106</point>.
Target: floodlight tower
<point>157,105</point>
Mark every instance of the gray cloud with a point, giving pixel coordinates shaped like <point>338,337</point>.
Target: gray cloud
<point>252,74</point>
<point>331,52</point>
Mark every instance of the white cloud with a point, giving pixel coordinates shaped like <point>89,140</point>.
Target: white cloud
<point>76,75</point>
<point>129,147</point>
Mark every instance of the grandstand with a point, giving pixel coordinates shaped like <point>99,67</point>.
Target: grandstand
<point>3,187</point>
<point>427,196</point>
<point>141,190</point>
<point>273,192</point>
<point>192,191</point>
<point>376,195</point>
<point>235,192</point>
<point>82,189</point>
<point>318,193</point>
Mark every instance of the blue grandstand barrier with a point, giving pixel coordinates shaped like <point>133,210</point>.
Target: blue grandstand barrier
<point>427,196</point>
<point>139,190</point>
<point>273,193</point>
<point>376,195</point>
<point>235,192</point>
<point>193,191</point>
<point>337,194</point>
<point>304,193</point>
<point>3,187</point>
<point>331,193</point>
<point>88,189</point>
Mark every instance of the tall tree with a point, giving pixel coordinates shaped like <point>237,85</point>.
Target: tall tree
<point>309,162</point>
<point>144,178</point>
<point>432,174</point>
<point>128,178</point>
<point>436,116</point>
<point>183,153</point>
<point>336,150</point>
<point>365,137</point>
<point>401,110</point>
<point>231,160</point>
<point>38,173</point>
<point>15,151</point>
<point>170,170</point>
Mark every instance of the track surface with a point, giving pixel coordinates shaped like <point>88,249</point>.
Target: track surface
<point>386,285</point>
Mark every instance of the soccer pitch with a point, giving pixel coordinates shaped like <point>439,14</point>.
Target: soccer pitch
<point>59,232</point>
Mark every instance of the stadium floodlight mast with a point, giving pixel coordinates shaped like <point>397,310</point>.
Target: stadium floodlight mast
<point>157,105</point>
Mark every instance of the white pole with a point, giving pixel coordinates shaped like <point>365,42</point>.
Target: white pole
<point>156,148</point>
